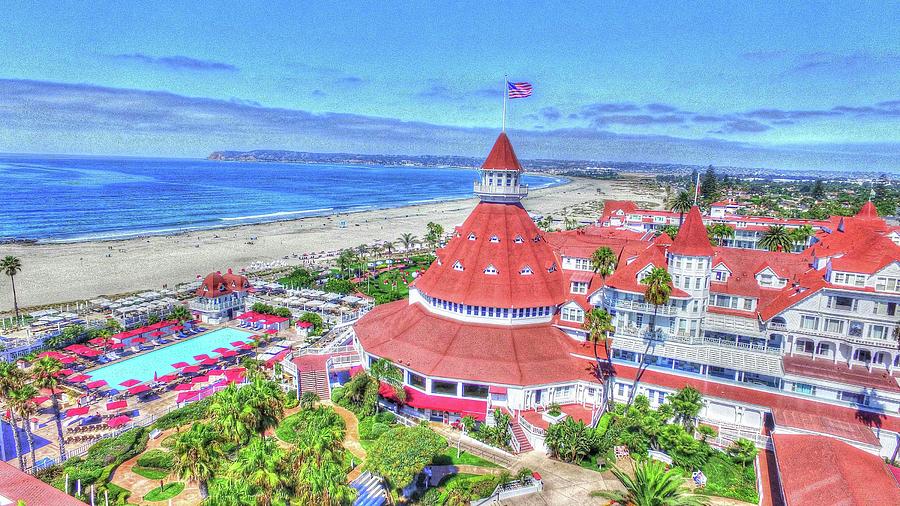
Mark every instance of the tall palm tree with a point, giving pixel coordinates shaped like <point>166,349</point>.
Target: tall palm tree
<point>44,372</point>
<point>197,454</point>
<point>658,284</point>
<point>604,261</point>
<point>718,232</point>
<point>21,404</point>
<point>598,324</point>
<point>801,235</point>
<point>384,371</point>
<point>11,379</point>
<point>389,247</point>
<point>261,465</point>
<point>653,485</point>
<point>408,240</point>
<point>681,204</point>
<point>230,417</point>
<point>11,266</point>
<point>266,400</point>
<point>777,238</point>
<point>180,313</point>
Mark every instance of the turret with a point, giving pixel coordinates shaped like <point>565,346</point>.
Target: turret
<point>500,175</point>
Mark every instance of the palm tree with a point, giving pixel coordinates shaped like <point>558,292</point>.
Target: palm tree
<point>669,230</point>
<point>384,371</point>
<point>598,324</point>
<point>719,231</point>
<point>11,266</point>
<point>197,455</point>
<point>652,486</point>
<point>11,379</point>
<point>408,240</point>
<point>686,405</point>
<point>658,284</point>
<point>801,235</point>
<point>570,440</point>
<point>681,204</point>
<point>266,400</point>
<point>389,247</point>
<point>180,313</point>
<point>261,465</point>
<point>44,372</point>
<point>309,400</point>
<point>604,261</point>
<point>230,417</point>
<point>571,223</point>
<point>777,238</point>
<point>21,404</point>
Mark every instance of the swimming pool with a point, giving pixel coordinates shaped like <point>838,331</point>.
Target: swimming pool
<point>142,367</point>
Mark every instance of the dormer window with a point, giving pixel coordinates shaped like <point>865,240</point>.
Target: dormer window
<point>526,271</point>
<point>518,239</point>
<point>494,238</point>
<point>458,266</point>
<point>552,267</point>
<point>490,270</point>
<point>472,236</point>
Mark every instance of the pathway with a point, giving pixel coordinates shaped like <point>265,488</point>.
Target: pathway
<point>139,486</point>
<point>351,438</point>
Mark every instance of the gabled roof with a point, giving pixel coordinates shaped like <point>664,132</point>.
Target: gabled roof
<point>216,284</point>
<point>18,486</point>
<point>502,155</point>
<point>868,211</point>
<point>692,239</point>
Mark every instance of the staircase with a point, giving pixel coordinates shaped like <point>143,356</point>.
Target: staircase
<point>371,491</point>
<point>315,381</point>
<point>521,439</point>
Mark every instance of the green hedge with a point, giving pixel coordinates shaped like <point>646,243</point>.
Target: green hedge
<point>182,416</point>
<point>101,459</point>
<point>159,459</point>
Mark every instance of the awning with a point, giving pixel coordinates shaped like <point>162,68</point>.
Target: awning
<point>416,399</point>
<point>497,390</point>
<point>582,277</point>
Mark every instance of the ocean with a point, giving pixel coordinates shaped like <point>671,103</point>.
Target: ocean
<point>59,198</point>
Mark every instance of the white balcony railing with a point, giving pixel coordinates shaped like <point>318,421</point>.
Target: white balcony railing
<point>630,305</point>
<point>512,191</point>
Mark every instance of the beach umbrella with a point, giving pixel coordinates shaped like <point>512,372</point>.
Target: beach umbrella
<point>185,396</point>
<point>229,354</point>
<point>117,346</point>
<point>245,347</point>
<point>138,389</point>
<point>68,360</point>
<point>191,369</point>
<point>64,372</point>
<point>52,354</point>
<point>40,400</point>
<point>271,331</point>
<point>200,379</point>
<point>157,334</point>
<point>209,361</point>
<point>118,421</point>
<point>182,387</point>
<point>97,341</point>
<point>130,383</point>
<point>179,365</point>
<point>138,340</point>
<point>176,328</point>
<point>114,405</point>
<point>237,343</point>
<point>97,384</point>
<point>216,372</point>
<point>202,356</point>
<point>220,350</point>
<point>166,378</point>
<point>80,410</point>
<point>78,378</point>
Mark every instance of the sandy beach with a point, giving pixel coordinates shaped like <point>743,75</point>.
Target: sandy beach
<point>62,272</point>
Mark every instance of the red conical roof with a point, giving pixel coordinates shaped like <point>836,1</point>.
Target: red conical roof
<point>502,155</point>
<point>868,211</point>
<point>692,239</point>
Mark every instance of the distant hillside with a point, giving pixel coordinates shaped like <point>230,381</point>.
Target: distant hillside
<point>282,156</point>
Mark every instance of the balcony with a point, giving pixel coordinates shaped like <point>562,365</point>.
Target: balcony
<point>630,305</point>
<point>781,327</point>
<point>513,192</point>
<point>864,341</point>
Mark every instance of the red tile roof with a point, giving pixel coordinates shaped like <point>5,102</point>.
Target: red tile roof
<point>823,471</point>
<point>846,429</point>
<point>840,373</point>
<point>692,238</point>
<point>625,277</point>
<point>502,155</point>
<point>216,284</point>
<point>433,345</point>
<point>18,486</point>
<point>508,287</point>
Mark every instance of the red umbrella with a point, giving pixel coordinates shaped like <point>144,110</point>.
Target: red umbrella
<point>245,346</point>
<point>179,365</point>
<point>52,354</point>
<point>80,410</point>
<point>216,372</point>
<point>138,340</point>
<point>182,387</point>
<point>138,389</point>
<point>237,343</point>
<point>200,379</point>
<point>176,328</point>
<point>64,372</point>
<point>157,334</point>
<point>68,360</point>
<point>78,378</point>
<point>97,341</point>
<point>166,378</point>
<point>130,382</point>
<point>114,405</point>
<point>202,356</point>
<point>229,353</point>
<point>271,331</point>
<point>97,384</point>
<point>209,361</point>
<point>191,368</point>
<point>118,421</point>
<point>40,400</point>
<point>220,350</point>
<point>117,346</point>
<point>88,352</point>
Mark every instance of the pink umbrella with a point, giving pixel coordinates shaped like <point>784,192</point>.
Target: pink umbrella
<point>179,365</point>
<point>68,360</point>
<point>166,378</point>
<point>202,356</point>
<point>40,400</point>
<point>64,372</point>
<point>87,352</point>
<point>52,354</point>
<point>130,382</point>
<point>237,343</point>
<point>271,331</point>
<point>117,346</point>
<point>138,340</point>
<point>138,389</point>
<point>176,328</point>
<point>97,341</point>
<point>209,361</point>
<point>200,379</point>
<point>184,396</point>
<point>118,421</point>
<point>182,387</point>
<point>220,350</point>
<point>229,353</point>
<point>114,405</point>
<point>80,410</point>
<point>191,368</point>
<point>216,372</point>
<point>78,378</point>
<point>157,334</point>
<point>97,384</point>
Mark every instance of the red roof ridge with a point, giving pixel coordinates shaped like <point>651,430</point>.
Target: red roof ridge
<point>692,238</point>
<point>868,211</point>
<point>502,155</point>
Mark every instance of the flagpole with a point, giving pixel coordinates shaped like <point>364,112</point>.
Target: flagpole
<point>697,188</point>
<point>505,94</point>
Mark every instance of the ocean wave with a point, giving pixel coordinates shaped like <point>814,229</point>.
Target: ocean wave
<point>277,214</point>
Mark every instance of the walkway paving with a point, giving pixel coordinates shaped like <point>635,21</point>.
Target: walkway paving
<point>139,486</point>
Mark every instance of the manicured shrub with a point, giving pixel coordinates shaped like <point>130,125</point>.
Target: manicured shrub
<point>378,429</point>
<point>365,427</point>
<point>386,417</point>
<point>337,394</point>
<point>156,458</point>
<point>182,416</point>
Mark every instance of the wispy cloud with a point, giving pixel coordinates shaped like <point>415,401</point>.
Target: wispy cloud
<point>176,62</point>
<point>441,91</point>
<point>741,126</point>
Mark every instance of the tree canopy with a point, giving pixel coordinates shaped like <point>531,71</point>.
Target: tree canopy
<point>400,454</point>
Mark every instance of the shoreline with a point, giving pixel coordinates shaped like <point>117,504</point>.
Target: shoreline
<point>54,273</point>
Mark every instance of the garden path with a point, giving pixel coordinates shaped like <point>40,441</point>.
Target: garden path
<point>139,486</point>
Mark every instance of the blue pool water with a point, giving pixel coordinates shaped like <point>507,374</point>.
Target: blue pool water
<point>142,367</point>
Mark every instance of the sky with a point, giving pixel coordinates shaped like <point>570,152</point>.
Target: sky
<point>779,84</point>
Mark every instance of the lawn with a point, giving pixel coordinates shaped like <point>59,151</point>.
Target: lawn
<point>727,479</point>
<point>449,458</point>
<point>167,491</point>
<point>151,473</point>
<point>394,285</point>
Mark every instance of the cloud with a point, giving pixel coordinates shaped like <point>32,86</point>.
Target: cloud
<point>350,80</point>
<point>742,125</point>
<point>318,93</point>
<point>243,101</point>
<point>761,56</point>
<point>439,90</point>
<point>603,108</point>
<point>550,113</point>
<point>707,118</point>
<point>176,62</point>
<point>773,114</point>
<point>838,63</point>
<point>42,117</point>
<point>660,108</point>
<point>635,119</point>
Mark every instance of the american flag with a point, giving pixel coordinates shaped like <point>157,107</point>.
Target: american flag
<point>519,90</point>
